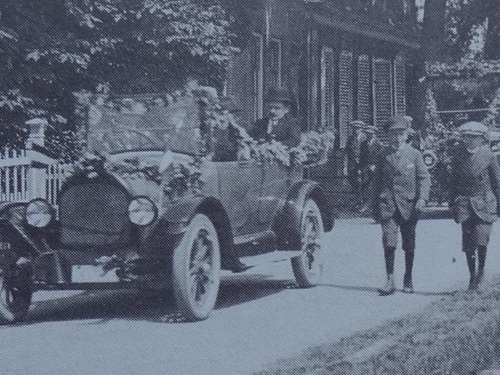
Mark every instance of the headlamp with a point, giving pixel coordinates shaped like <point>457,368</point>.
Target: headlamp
<point>39,213</point>
<point>142,211</point>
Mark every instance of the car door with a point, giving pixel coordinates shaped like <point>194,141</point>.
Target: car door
<point>278,179</point>
<point>240,189</point>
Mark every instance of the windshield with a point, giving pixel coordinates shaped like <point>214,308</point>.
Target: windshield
<point>145,124</point>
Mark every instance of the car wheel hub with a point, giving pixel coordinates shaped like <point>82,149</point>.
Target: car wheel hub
<point>201,269</point>
<point>310,242</point>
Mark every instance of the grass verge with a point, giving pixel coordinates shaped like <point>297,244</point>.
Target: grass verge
<point>459,334</point>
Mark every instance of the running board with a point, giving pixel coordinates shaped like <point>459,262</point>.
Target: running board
<point>275,256</point>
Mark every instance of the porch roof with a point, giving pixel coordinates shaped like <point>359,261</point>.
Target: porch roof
<point>366,26</point>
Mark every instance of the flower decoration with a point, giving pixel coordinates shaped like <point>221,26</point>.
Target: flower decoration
<point>312,150</point>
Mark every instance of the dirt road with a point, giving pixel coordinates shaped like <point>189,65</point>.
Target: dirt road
<point>260,316</point>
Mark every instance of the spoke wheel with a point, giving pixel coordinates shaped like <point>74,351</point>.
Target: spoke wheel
<point>196,269</point>
<point>308,267</point>
<point>15,293</point>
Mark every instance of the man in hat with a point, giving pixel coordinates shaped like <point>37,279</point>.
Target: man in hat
<point>400,190</point>
<point>370,150</point>
<point>279,124</point>
<point>475,195</point>
<point>353,151</point>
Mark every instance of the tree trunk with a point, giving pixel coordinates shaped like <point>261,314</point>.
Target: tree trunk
<point>433,33</point>
<point>492,42</point>
<point>432,49</point>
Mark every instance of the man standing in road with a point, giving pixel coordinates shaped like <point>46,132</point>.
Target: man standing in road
<point>475,195</point>
<point>401,188</point>
<point>370,150</point>
<point>353,151</point>
<point>279,123</point>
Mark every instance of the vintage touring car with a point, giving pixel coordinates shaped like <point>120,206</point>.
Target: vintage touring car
<point>146,218</point>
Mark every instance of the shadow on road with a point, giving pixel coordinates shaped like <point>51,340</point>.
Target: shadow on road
<point>152,306</point>
<point>361,288</point>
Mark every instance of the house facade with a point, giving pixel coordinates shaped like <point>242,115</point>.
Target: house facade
<point>343,59</point>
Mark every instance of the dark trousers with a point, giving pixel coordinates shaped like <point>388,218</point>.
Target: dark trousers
<point>475,233</point>
<point>396,223</point>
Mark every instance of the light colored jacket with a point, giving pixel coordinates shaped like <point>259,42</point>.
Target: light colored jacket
<point>401,178</point>
<point>474,185</point>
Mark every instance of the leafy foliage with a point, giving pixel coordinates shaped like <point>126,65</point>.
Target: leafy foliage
<point>466,17</point>
<point>58,48</point>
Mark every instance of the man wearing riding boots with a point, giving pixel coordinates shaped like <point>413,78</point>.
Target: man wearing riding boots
<point>475,195</point>
<point>400,190</point>
<point>279,124</point>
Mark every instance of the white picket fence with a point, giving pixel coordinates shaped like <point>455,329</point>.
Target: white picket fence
<point>29,174</point>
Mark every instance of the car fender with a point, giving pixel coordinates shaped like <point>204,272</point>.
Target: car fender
<point>29,241</point>
<point>288,218</point>
<point>177,216</point>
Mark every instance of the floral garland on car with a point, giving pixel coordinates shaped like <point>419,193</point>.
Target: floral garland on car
<point>313,149</point>
<point>186,175</point>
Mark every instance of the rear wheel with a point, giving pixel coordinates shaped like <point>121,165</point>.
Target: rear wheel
<point>15,292</point>
<point>196,269</point>
<point>308,267</point>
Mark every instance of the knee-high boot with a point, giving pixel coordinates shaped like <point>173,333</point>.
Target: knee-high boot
<point>408,281</point>
<point>471,264</point>
<point>481,255</point>
<point>389,287</point>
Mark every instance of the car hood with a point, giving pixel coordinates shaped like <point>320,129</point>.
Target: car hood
<point>124,168</point>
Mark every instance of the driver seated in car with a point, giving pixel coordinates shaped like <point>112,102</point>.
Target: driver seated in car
<point>279,124</point>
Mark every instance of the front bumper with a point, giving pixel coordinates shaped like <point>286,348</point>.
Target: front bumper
<point>75,269</point>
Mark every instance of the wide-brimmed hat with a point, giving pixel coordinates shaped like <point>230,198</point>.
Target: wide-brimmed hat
<point>397,123</point>
<point>279,94</point>
<point>474,128</point>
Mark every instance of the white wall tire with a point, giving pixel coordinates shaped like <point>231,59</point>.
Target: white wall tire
<point>308,267</point>
<point>196,269</point>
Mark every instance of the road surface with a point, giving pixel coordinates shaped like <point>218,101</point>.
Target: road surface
<point>260,316</point>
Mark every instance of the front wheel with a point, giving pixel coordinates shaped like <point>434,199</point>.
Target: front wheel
<point>308,267</point>
<point>196,269</point>
<point>15,292</point>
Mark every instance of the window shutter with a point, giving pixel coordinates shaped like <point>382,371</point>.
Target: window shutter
<point>258,75</point>
<point>364,89</point>
<point>382,91</point>
<point>274,63</point>
<point>345,96</point>
<point>399,86</point>
<point>327,87</point>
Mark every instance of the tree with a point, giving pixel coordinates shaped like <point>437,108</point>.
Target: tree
<point>465,17</point>
<point>63,47</point>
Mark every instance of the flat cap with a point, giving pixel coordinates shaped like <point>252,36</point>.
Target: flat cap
<point>473,128</point>
<point>370,129</point>
<point>358,124</point>
<point>397,123</point>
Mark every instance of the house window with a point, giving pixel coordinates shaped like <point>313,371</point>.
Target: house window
<point>399,86</point>
<point>275,63</point>
<point>327,87</point>
<point>258,75</point>
<point>345,96</point>
<point>364,110</point>
<point>382,91</point>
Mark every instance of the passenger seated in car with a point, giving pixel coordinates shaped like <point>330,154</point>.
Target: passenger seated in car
<point>279,124</point>
<point>225,147</point>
